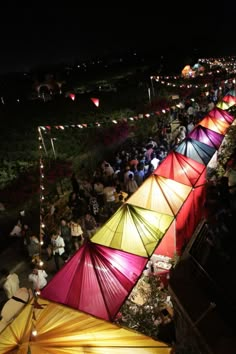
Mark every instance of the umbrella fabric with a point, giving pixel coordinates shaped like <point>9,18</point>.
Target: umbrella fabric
<point>96,280</point>
<point>206,136</point>
<point>195,150</point>
<point>133,229</point>
<point>160,194</point>
<point>61,330</point>
<point>180,168</point>
<point>220,115</point>
<point>224,105</point>
<point>232,93</point>
<point>229,99</point>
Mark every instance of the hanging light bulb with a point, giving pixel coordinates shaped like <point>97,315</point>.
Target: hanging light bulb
<point>34,332</point>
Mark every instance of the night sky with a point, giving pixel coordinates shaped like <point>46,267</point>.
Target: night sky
<point>41,34</point>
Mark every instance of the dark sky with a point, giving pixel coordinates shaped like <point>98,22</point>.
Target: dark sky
<point>43,33</point>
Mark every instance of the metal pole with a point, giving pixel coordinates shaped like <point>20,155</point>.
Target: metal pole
<point>53,147</point>
<point>41,137</point>
<point>153,91</point>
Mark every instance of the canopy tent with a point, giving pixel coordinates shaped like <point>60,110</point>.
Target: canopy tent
<point>181,169</point>
<point>232,93</point>
<point>206,136</point>
<point>221,115</point>
<point>96,280</point>
<point>165,195</point>
<point>224,105</point>
<point>229,99</point>
<point>217,120</point>
<point>195,150</point>
<point>61,330</point>
<point>134,229</point>
<point>160,194</point>
<point>187,171</point>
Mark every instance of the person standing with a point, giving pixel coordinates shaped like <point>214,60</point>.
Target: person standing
<point>89,225</point>
<point>58,249</point>
<point>11,283</point>
<point>76,233</point>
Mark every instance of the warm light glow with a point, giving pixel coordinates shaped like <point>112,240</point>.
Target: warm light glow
<point>95,101</point>
<point>34,332</point>
<point>72,96</point>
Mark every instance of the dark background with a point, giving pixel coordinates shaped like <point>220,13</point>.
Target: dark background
<point>46,34</point>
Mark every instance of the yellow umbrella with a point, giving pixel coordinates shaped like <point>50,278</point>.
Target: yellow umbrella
<point>160,194</point>
<point>133,229</point>
<point>224,105</point>
<point>60,330</point>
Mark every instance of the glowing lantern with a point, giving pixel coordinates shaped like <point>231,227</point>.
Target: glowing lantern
<point>95,101</point>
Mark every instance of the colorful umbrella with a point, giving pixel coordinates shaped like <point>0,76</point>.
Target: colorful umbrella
<point>96,280</point>
<point>229,99</point>
<point>224,105</point>
<point>133,229</point>
<point>196,150</point>
<point>160,194</point>
<point>181,169</point>
<point>61,330</point>
<point>206,136</point>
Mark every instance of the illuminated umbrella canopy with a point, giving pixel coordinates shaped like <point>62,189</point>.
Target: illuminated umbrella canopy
<point>229,99</point>
<point>220,115</point>
<point>133,229</point>
<point>224,105</point>
<point>61,330</point>
<point>192,173</point>
<point>181,169</point>
<point>232,93</point>
<point>206,136</point>
<point>160,194</point>
<point>196,150</point>
<point>217,120</point>
<point>96,280</point>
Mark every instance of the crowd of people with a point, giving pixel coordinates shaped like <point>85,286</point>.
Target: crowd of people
<point>93,200</point>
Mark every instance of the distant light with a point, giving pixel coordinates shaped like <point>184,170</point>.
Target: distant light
<point>72,96</point>
<point>95,101</point>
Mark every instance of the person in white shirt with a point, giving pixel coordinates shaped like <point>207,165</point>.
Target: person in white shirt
<point>38,278</point>
<point>17,229</point>
<point>58,248</point>
<point>11,283</point>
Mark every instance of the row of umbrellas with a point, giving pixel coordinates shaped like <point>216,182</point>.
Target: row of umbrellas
<point>159,218</point>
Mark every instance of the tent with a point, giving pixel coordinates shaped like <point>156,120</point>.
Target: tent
<point>196,150</point>
<point>62,330</point>
<point>167,196</point>
<point>206,136</point>
<point>134,229</point>
<point>184,170</point>
<point>229,99</point>
<point>217,120</point>
<point>224,105</point>
<point>96,280</point>
<point>181,169</point>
